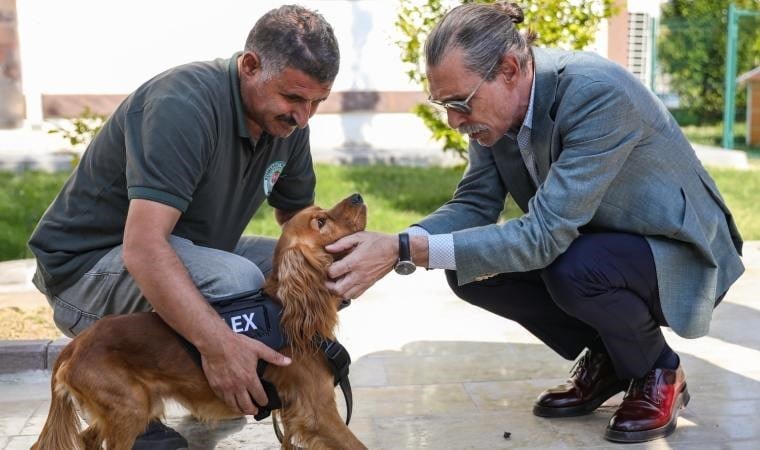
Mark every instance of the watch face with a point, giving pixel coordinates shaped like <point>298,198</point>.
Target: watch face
<point>404,267</point>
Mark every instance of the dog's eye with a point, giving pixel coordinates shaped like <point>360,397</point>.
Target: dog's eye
<point>321,221</point>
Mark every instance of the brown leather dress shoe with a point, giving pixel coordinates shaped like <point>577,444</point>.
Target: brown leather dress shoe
<point>650,407</point>
<point>592,381</point>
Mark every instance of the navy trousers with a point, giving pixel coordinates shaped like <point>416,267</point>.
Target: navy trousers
<point>603,288</point>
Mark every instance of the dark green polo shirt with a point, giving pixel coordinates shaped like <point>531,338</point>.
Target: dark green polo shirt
<point>179,139</point>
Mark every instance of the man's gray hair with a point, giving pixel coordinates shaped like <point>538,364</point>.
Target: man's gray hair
<point>484,32</point>
<point>293,36</point>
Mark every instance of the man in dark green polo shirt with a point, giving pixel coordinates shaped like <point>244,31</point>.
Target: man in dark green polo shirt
<point>152,217</point>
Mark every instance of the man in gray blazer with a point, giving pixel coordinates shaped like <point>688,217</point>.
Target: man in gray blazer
<point>623,232</point>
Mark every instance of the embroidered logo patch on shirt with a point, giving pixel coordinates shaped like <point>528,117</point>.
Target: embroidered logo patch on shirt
<point>271,175</point>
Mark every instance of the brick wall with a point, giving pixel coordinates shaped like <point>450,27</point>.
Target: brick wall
<point>617,34</point>
<point>72,105</point>
<point>12,104</point>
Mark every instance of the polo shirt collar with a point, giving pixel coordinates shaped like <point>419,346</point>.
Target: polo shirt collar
<point>237,99</point>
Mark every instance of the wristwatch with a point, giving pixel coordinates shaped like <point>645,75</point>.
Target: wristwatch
<point>404,265</point>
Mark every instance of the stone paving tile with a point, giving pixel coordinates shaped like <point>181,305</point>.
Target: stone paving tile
<point>735,427</point>
<point>368,372</point>
<point>708,408</point>
<point>516,397</point>
<point>36,419</point>
<point>724,390</point>
<point>434,431</point>
<point>433,370</point>
<point>36,386</point>
<point>13,416</point>
<point>736,419</point>
<point>742,445</point>
<point>417,349</point>
<point>389,401</point>
<point>20,442</point>
<point>364,429</point>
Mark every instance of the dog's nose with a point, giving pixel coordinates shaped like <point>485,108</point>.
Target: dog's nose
<point>357,199</point>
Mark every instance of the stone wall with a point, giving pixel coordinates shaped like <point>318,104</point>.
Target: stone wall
<point>12,103</point>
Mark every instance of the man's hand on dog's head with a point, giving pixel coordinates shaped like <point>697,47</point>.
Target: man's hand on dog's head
<point>370,256</point>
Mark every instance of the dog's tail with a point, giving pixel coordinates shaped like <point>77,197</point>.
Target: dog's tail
<point>61,430</point>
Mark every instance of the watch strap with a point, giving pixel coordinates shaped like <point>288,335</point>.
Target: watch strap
<point>404,252</point>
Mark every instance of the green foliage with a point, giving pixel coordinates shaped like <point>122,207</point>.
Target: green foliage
<point>81,130</point>
<point>441,131</point>
<point>559,23</point>
<point>692,50</point>
<point>570,24</point>
<point>23,199</point>
<point>415,20</point>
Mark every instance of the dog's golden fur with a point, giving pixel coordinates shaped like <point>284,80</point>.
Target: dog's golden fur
<point>120,370</point>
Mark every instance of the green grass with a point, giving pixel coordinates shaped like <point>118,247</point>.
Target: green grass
<point>741,191</point>
<point>23,199</point>
<point>713,135</point>
<point>396,196</point>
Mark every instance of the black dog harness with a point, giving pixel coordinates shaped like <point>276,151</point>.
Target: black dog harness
<point>257,316</point>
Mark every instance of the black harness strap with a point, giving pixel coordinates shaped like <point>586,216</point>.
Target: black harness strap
<point>338,360</point>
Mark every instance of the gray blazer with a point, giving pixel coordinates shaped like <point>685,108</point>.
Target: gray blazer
<point>609,156</point>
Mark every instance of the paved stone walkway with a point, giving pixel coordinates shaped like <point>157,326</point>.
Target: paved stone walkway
<point>431,372</point>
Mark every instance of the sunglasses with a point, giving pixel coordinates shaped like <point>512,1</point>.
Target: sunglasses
<point>462,106</point>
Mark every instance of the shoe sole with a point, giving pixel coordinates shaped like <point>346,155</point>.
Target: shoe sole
<point>161,445</point>
<point>578,410</point>
<point>631,437</point>
<point>172,442</point>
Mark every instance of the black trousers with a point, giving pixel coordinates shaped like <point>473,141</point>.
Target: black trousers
<point>604,287</point>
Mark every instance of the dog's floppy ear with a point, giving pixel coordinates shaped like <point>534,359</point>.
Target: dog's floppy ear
<point>308,308</point>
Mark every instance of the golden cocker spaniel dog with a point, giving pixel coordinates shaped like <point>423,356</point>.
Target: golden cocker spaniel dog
<point>110,370</point>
